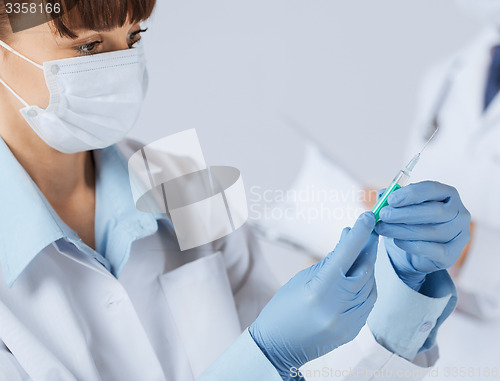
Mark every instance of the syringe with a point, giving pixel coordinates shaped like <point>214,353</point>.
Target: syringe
<point>400,180</point>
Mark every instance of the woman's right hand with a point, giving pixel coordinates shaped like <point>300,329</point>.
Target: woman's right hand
<point>324,306</point>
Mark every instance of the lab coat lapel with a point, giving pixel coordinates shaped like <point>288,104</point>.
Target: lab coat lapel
<point>471,81</point>
<point>488,125</point>
<point>475,79</point>
<point>491,117</point>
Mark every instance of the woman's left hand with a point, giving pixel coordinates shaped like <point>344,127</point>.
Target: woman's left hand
<point>428,227</point>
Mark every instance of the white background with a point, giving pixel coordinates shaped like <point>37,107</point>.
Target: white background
<point>244,72</point>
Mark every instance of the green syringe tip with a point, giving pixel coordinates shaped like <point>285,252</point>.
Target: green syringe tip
<point>383,200</point>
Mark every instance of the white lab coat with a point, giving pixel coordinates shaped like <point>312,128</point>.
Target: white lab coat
<point>466,154</point>
<point>168,316</point>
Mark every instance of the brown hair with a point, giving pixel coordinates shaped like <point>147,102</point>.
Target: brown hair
<point>4,22</point>
<point>87,14</point>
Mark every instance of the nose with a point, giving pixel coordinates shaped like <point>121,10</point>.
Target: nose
<point>119,44</point>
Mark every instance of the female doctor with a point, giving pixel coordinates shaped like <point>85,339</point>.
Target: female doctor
<point>93,289</point>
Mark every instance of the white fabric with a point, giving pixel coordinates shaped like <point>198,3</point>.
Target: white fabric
<point>230,367</point>
<point>373,362</point>
<point>468,345</point>
<point>94,100</point>
<point>466,154</point>
<point>360,360</point>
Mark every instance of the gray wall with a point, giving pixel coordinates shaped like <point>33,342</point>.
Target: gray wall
<point>243,72</point>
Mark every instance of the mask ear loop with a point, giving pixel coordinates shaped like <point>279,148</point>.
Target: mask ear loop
<point>7,47</point>
<point>14,93</point>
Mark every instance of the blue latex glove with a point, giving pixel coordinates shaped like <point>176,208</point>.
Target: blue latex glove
<point>427,226</point>
<point>324,306</point>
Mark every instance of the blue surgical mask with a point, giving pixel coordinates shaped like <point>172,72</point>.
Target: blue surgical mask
<point>94,100</point>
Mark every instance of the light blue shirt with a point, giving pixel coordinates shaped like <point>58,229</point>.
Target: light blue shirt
<point>403,321</point>
<point>33,224</point>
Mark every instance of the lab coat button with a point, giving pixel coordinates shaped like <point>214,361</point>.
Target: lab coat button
<point>115,300</point>
<point>55,69</point>
<point>426,326</point>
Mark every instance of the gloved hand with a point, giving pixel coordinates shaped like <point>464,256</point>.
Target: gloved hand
<point>324,306</point>
<point>427,226</point>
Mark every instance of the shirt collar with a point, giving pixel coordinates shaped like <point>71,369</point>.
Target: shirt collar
<point>118,222</point>
<point>29,224</point>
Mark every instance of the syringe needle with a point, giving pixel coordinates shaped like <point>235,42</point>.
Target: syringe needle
<point>400,180</point>
<point>428,141</point>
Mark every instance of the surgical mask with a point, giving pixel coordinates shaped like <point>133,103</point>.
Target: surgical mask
<point>94,100</point>
<point>484,11</point>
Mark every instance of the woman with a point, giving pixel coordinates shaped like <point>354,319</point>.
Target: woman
<point>93,289</point>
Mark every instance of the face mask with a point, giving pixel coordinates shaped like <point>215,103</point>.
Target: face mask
<point>484,11</point>
<point>94,100</point>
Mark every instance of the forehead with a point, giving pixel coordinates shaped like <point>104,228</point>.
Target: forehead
<point>67,17</point>
<point>99,15</point>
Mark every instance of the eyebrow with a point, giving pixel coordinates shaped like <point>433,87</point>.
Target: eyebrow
<point>83,31</point>
<point>84,34</point>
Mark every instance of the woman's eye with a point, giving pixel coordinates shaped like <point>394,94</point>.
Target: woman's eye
<point>89,48</point>
<point>134,41</point>
<point>135,37</point>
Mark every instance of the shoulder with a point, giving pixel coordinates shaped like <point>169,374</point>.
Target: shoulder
<point>441,71</point>
<point>445,68</point>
